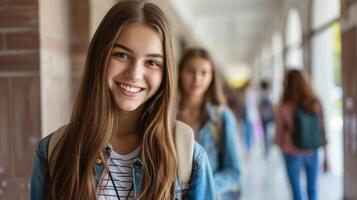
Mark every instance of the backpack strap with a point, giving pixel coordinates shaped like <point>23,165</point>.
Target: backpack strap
<point>55,137</point>
<point>184,143</point>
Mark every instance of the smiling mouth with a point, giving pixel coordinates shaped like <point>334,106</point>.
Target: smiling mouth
<point>129,89</point>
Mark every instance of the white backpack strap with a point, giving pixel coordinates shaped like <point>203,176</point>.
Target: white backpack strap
<point>184,142</point>
<point>55,137</point>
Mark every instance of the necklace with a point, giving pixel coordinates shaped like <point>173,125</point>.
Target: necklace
<point>115,187</point>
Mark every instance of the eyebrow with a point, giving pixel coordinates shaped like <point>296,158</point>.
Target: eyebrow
<point>131,51</point>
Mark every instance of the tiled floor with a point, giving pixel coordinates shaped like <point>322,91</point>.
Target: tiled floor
<point>265,179</point>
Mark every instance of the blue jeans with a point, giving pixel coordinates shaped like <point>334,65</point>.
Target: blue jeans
<point>267,142</point>
<point>248,136</point>
<point>309,163</point>
<point>231,195</point>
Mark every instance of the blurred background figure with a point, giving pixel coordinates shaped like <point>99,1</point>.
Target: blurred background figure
<point>266,113</point>
<point>231,94</point>
<point>244,118</point>
<point>296,115</point>
<point>202,106</point>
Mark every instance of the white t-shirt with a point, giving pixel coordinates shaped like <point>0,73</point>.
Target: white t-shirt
<point>121,171</point>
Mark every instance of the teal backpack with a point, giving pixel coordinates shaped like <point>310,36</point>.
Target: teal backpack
<point>307,133</point>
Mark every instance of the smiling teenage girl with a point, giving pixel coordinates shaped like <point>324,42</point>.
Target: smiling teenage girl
<point>119,142</point>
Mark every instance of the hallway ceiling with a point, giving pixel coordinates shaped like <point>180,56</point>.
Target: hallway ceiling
<point>233,30</point>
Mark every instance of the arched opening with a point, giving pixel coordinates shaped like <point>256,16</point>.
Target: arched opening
<point>277,64</point>
<point>293,40</point>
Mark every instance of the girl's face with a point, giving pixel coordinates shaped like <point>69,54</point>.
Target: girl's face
<point>196,77</point>
<point>135,67</point>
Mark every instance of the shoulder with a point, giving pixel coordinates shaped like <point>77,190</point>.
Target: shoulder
<point>227,114</point>
<point>200,158</point>
<point>226,110</point>
<point>44,147</point>
<point>222,110</point>
<point>318,107</point>
<point>198,152</point>
<point>285,107</point>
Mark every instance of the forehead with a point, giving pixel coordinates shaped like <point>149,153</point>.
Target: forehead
<point>198,63</point>
<point>141,39</point>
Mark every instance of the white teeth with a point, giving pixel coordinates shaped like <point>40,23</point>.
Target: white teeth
<point>129,89</point>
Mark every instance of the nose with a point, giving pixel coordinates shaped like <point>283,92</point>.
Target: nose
<point>196,77</point>
<point>134,71</point>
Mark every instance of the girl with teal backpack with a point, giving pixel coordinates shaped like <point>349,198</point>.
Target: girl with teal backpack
<point>299,133</point>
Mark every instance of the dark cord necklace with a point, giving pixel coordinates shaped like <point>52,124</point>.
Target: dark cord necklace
<point>115,187</point>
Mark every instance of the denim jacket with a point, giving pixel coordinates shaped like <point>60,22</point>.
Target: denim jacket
<point>200,186</point>
<point>223,157</point>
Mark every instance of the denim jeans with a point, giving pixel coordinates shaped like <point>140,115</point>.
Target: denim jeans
<point>267,142</point>
<point>309,163</point>
<point>231,195</point>
<point>248,136</point>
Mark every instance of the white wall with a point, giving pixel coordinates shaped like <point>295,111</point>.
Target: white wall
<point>54,64</point>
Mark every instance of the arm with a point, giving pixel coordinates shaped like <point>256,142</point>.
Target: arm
<point>228,176</point>
<point>279,128</point>
<point>201,185</point>
<point>37,177</point>
<point>39,170</point>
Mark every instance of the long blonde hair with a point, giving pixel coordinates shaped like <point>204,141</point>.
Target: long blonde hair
<point>94,116</point>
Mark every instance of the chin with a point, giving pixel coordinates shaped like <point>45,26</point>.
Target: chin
<point>196,94</point>
<point>127,108</point>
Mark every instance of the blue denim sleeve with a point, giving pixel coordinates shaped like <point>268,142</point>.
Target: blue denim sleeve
<point>39,170</point>
<point>201,186</point>
<point>228,176</point>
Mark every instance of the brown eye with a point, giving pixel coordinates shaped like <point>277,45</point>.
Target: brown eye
<point>204,73</point>
<point>121,55</point>
<point>153,63</point>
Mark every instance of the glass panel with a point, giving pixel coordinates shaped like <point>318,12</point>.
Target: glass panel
<point>294,30</point>
<point>294,58</point>
<point>324,11</point>
<point>325,57</point>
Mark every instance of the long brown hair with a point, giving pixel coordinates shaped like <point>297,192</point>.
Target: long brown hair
<point>298,90</point>
<point>214,94</point>
<point>94,115</point>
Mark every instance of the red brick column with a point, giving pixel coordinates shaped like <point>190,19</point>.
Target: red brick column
<point>79,34</point>
<point>19,95</point>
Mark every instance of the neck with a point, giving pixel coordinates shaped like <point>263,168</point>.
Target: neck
<point>192,103</point>
<point>127,136</point>
<point>127,122</point>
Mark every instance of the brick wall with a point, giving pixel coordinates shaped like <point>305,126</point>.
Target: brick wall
<point>20,117</point>
<point>79,34</point>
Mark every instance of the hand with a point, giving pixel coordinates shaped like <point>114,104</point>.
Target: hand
<point>325,166</point>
